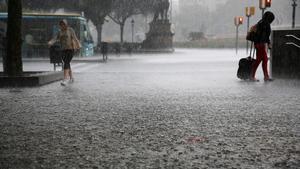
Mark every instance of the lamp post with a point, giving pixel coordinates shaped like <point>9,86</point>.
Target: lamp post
<point>238,20</point>
<point>171,11</point>
<point>294,12</point>
<point>250,11</point>
<point>263,4</point>
<point>132,29</point>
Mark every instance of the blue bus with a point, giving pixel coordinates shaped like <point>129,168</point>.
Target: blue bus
<point>39,28</point>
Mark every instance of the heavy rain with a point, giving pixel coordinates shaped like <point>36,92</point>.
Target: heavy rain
<point>134,84</point>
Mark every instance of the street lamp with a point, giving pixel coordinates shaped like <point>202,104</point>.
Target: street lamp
<point>171,11</point>
<point>294,12</point>
<point>132,29</point>
<point>238,20</point>
<point>263,4</point>
<point>250,11</point>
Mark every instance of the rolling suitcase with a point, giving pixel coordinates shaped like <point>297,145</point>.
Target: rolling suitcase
<point>245,65</point>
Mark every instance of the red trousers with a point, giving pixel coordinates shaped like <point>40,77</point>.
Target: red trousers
<point>261,55</point>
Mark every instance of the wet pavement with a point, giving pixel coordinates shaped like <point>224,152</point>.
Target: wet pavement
<point>182,110</point>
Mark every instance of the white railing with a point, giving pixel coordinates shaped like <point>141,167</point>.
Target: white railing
<point>293,44</point>
<point>293,36</point>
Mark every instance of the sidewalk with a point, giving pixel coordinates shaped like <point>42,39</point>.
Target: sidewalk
<point>95,58</point>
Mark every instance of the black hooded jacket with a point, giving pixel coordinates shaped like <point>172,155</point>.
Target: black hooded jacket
<point>264,28</point>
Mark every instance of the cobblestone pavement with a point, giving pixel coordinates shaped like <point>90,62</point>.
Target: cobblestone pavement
<point>182,110</point>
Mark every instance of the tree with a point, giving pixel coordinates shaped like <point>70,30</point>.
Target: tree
<point>147,6</point>
<point>121,11</point>
<point>96,11</point>
<point>12,62</point>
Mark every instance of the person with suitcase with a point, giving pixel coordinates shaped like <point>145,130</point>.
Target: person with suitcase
<point>245,65</point>
<point>262,42</point>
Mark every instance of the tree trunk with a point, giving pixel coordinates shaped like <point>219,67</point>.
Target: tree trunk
<point>99,31</point>
<point>13,61</point>
<point>122,33</point>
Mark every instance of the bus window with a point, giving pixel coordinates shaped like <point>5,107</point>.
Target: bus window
<point>88,44</point>
<point>87,35</point>
<point>2,28</point>
<point>55,30</point>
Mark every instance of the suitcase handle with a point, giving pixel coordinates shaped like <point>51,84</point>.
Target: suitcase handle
<point>252,53</point>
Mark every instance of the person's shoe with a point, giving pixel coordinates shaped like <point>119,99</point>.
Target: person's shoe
<point>71,80</point>
<point>63,83</point>
<point>269,80</point>
<point>254,80</point>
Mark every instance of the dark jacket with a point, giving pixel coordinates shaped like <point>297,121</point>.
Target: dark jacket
<point>264,28</point>
<point>264,32</point>
<point>104,47</point>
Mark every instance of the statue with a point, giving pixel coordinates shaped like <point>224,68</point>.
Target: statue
<point>161,10</point>
<point>160,36</point>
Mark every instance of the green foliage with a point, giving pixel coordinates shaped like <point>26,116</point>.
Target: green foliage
<point>122,10</point>
<point>96,10</point>
<point>39,5</point>
<point>146,6</point>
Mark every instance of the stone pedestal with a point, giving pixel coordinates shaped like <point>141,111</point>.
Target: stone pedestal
<point>159,36</point>
<point>30,79</point>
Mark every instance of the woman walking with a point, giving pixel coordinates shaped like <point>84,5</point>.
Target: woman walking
<point>261,45</point>
<point>69,44</point>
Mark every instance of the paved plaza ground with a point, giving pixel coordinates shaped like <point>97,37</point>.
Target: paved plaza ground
<point>146,111</point>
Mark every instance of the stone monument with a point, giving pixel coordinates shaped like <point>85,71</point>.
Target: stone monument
<point>160,36</point>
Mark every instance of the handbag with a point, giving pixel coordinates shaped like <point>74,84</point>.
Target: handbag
<point>252,35</point>
<point>76,45</point>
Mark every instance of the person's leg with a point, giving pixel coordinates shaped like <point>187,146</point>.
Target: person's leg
<point>265,64</point>
<point>105,57</point>
<point>70,57</point>
<point>65,67</point>
<point>66,74</point>
<point>71,74</point>
<point>257,61</point>
<point>67,62</point>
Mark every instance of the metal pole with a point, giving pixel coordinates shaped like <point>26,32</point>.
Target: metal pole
<point>263,11</point>
<point>146,22</point>
<point>237,39</point>
<point>132,31</point>
<point>171,17</point>
<point>248,23</point>
<point>294,13</point>
<point>132,35</point>
<point>271,63</point>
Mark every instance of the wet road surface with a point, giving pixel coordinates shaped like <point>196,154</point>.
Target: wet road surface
<point>181,110</point>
